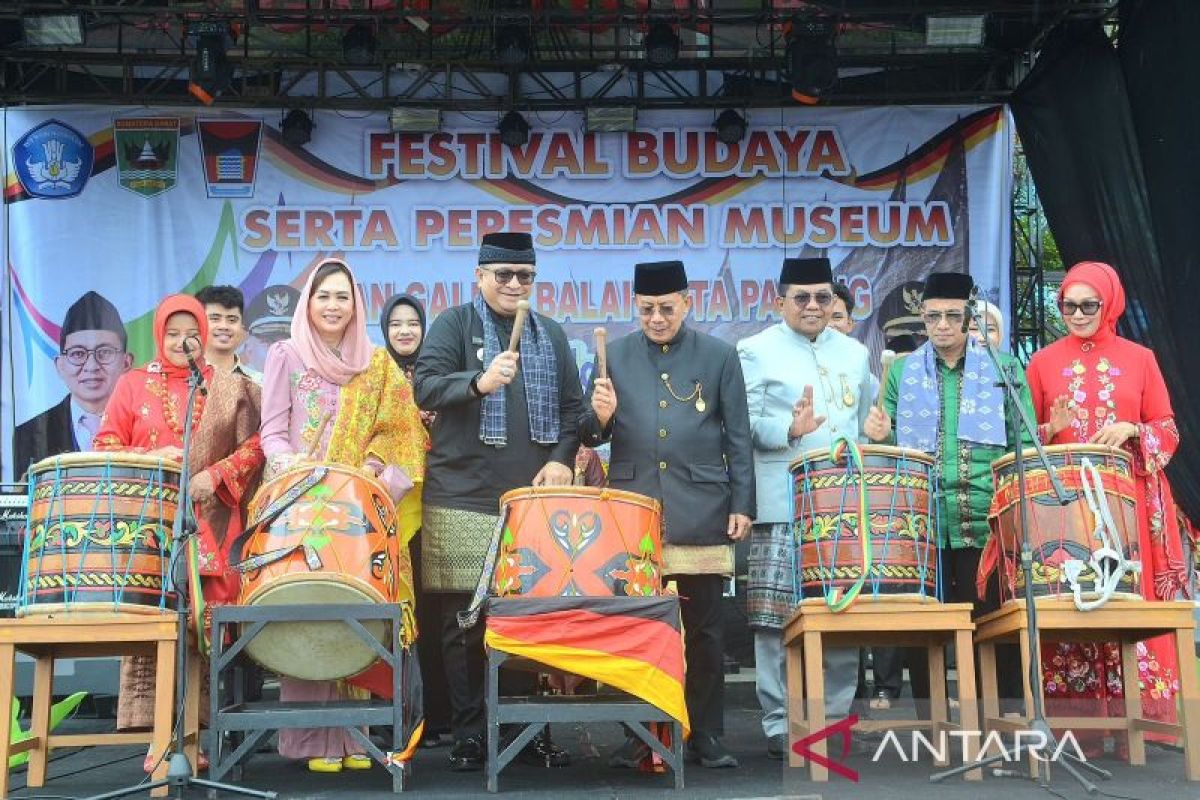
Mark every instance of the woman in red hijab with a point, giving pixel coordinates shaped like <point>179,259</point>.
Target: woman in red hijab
<point>1092,386</point>
<point>145,415</point>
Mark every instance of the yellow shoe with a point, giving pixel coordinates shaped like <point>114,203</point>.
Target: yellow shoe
<point>357,761</point>
<point>324,765</point>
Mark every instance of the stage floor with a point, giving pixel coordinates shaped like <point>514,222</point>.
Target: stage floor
<point>76,774</point>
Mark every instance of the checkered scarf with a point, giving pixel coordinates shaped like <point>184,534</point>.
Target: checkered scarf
<point>919,410</point>
<point>540,369</point>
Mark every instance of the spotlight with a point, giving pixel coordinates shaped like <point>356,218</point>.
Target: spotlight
<point>358,46</point>
<point>514,130</point>
<point>296,128</point>
<point>662,44</point>
<point>731,126</point>
<point>812,58</point>
<point>211,71</point>
<point>513,44</point>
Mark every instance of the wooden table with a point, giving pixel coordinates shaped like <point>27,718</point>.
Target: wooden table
<point>899,622</point>
<point>1123,621</point>
<point>85,635</point>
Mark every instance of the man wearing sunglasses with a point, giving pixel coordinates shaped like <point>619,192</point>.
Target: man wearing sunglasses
<point>505,420</point>
<point>674,408</point>
<point>946,403</point>
<point>91,356</point>
<point>806,382</point>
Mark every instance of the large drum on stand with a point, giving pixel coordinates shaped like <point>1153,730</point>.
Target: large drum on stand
<point>578,540</point>
<point>100,527</point>
<point>1102,481</point>
<point>865,529</point>
<point>322,534</point>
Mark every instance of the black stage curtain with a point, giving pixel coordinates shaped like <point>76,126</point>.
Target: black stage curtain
<point>1075,121</point>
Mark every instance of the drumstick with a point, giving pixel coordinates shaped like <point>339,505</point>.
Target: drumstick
<point>316,442</point>
<point>601,337</point>
<point>885,363</point>
<point>514,341</point>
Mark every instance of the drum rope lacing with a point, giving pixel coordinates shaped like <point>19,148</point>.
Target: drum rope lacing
<point>1108,562</point>
<point>841,446</point>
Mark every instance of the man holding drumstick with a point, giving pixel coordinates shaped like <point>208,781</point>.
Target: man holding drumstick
<point>806,382</point>
<point>681,436</point>
<point>508,399</point>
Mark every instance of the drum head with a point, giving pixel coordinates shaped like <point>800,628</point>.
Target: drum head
<point>315,651</point>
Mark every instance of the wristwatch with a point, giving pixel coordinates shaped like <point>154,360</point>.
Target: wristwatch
<point>475,385</point>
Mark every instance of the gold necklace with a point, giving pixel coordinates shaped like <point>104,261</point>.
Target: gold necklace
<point>696,393</point>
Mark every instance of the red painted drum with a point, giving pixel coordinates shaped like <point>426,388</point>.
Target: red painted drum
<point>99,538</point>
<point>1061,534</point>
<point>578,540</point>
<point>322,534</point>
<point>829,545</point>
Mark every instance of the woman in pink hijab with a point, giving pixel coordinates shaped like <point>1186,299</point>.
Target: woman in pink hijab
<point>329,369</point>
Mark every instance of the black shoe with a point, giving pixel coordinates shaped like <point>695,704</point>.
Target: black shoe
<point>630,755</point>
<point>711,754</point>
<point>466,755</point>
<point>543,752</point>
<point>777,746</point>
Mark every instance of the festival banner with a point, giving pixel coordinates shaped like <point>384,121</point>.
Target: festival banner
<point>137,203</point>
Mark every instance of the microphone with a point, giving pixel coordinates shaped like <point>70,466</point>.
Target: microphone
<point>972,304</point>
<point>188,347</point>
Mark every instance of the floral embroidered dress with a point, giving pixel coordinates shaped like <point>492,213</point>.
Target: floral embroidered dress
<point>373,420</point>
<point>145,413</point>
<point>1110,379</point>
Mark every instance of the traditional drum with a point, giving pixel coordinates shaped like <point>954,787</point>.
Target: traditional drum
<point>1063,538</point>
<point>897,552</point>
<point>578,540</point>
<point>321,534</point>
<point>100,528</point>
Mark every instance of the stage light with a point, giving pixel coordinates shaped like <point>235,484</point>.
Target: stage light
<point>731,126</point>
<point>610,119</point>
<point>812,57</point>
<point>296,128</point>
<point>52,30</point>
<point>662,44</point>
<point>358,46</point>
<point>211,71</point>
<point>514,130</point>
<point>408,119</point>
<point>954,30</point>
<point>513,44</point>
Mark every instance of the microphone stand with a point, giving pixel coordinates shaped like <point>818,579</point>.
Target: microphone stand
<point>1008,379</point>
<point>179,769</point>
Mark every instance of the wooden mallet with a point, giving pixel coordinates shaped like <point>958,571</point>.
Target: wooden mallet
<point>885,363</point>
<point>514,341</point>
<point>601,337</point>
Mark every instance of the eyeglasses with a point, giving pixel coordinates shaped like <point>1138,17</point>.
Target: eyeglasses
<point>78,356</point>
<point>504,276</point>
<point>935,317</point>
<point>648,311</point>
<point>802,299</point>
<point>1088,307</point>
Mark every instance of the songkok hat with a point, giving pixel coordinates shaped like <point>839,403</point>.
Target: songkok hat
<point>269,315</point>
<point>507,248</point>
<point>655,278</point>
<point>92,313</point>
<point>806,271</point>
<point>948,286</point>
<point>904,343</point>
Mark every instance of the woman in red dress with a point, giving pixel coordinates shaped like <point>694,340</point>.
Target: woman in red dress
<point>1092,386</point>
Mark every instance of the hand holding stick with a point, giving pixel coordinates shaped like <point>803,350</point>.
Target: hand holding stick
<point>316,442</point>
<point>514,341</point>
<point>601,337</point>
<point>885,364</point>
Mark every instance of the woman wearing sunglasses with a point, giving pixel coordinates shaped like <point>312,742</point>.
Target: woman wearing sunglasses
<point>1092,386</point>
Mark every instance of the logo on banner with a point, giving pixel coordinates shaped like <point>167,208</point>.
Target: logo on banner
<point>53,161</point>
<point>147,153</point>
<point>229,152</point>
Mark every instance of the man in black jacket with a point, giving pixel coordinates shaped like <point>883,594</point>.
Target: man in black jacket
<point>504,420</point>
<point>91,356</point>
<point>681,435</point>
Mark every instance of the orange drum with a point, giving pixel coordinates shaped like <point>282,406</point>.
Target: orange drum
<point>578,540</point>
<point>320,534</point>
<point>100,528</point>
<point>1059,534</point>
